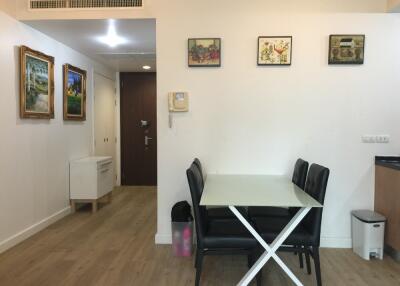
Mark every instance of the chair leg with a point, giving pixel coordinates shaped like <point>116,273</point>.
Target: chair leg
<point>195,258</point>
<point>301,259</point>
<point>249,260</point>
<point>199,265</point>
<point>259,278</point>
<point>307,254</point>
<point>317,265</point>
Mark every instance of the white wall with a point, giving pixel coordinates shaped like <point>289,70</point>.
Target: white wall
<point>35,153</point>
<point>249,119</point>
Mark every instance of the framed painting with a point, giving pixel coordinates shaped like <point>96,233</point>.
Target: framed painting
<point>274,51</point>
<point>36,84</point>
<point>346,49</point>
<point>204,52</point>
<point>74,93</point>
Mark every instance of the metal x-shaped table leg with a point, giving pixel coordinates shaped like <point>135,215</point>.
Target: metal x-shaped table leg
<point>270,250</point>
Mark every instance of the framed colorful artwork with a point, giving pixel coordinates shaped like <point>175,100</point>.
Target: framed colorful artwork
<point>74,93</point>
<point>204,52</point>
<point>36,84</point>
<point>346,49</point>
<point>274,51</point>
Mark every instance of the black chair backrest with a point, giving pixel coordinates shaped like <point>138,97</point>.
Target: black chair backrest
<point>197,162</point>
<point>300,173</point>
<point>317,181</point>
<point>200,212</point>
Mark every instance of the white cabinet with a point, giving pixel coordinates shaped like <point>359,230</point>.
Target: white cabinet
<point>91,179</point>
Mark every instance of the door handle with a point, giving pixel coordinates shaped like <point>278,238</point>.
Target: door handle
<point>146,140</point>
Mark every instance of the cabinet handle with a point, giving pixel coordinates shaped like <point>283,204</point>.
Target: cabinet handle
<point>105,170</point>
<point>105,164</point>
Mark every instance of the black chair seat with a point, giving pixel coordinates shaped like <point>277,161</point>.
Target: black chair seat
<point>299,179</point>
<point>268,212</point>
<point>270,227</point>
<point>224,213</point>
<point>228,234</point>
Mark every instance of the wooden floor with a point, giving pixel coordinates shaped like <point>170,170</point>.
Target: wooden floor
<point>115,246</point>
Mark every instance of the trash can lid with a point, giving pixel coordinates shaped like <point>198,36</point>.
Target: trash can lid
<point>181,212</point>
<point>368,216</point>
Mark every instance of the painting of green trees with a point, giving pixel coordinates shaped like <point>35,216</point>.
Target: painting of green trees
<point>37,85</point>
<point>74,92</point>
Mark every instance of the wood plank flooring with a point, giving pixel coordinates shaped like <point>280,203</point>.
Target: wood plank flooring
<point>115,246</point>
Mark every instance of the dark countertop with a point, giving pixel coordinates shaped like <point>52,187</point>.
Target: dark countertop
<point>392,162</point>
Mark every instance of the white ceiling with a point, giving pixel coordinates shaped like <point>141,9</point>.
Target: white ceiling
<point>82,35</point>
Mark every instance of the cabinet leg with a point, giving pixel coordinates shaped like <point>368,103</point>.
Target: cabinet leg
<point>94,206</point>
<point>73,206</point>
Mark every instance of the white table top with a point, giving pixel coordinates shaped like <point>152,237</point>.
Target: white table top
<point>254,190</point>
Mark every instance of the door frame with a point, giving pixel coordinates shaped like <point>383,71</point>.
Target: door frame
<point>118,127</point>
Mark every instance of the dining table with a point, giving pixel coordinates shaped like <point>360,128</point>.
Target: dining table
<point>259,190</point>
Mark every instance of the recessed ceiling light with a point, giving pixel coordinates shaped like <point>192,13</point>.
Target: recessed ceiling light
<point>146,67</point>
<point>112,39</point>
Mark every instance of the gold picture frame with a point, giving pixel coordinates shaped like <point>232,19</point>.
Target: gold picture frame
<point>36,84</point>
<point>74,101</point>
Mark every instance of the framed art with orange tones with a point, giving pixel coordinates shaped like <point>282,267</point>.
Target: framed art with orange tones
<point>274,51</point>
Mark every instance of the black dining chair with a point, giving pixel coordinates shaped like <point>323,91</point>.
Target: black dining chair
<point>299,179</point>
<point>217,212</point>
<point>217,237</point>
<point>306,237</point>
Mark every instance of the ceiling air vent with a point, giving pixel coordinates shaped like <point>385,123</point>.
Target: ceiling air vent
<point>74,4</point>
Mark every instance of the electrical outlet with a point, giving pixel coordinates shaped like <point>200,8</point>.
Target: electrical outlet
<point>382,138</point>
<point>368,139</point>
<point>375,138</point>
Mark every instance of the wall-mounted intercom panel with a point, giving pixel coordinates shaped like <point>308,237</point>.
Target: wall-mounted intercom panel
<point>178,102</point>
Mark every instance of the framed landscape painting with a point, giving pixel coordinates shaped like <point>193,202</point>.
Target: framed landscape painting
<point>204,52</point>
<point>74,93</point>
<point>274,51</point>
<point>36,84</point>
<point>346,49</point>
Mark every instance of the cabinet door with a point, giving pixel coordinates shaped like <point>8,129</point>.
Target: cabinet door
<point>104,117</point>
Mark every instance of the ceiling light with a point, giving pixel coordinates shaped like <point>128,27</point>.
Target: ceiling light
<point>112,39</point>
<point>146,67</point>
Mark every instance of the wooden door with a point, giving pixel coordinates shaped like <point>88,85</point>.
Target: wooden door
<point>104,117</point>
<point>139,129</point>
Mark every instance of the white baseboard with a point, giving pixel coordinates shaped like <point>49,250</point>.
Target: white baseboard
<point>326,242</point>
<point>336,242</point>
<point>163,239</point>
<point>33,229</point>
